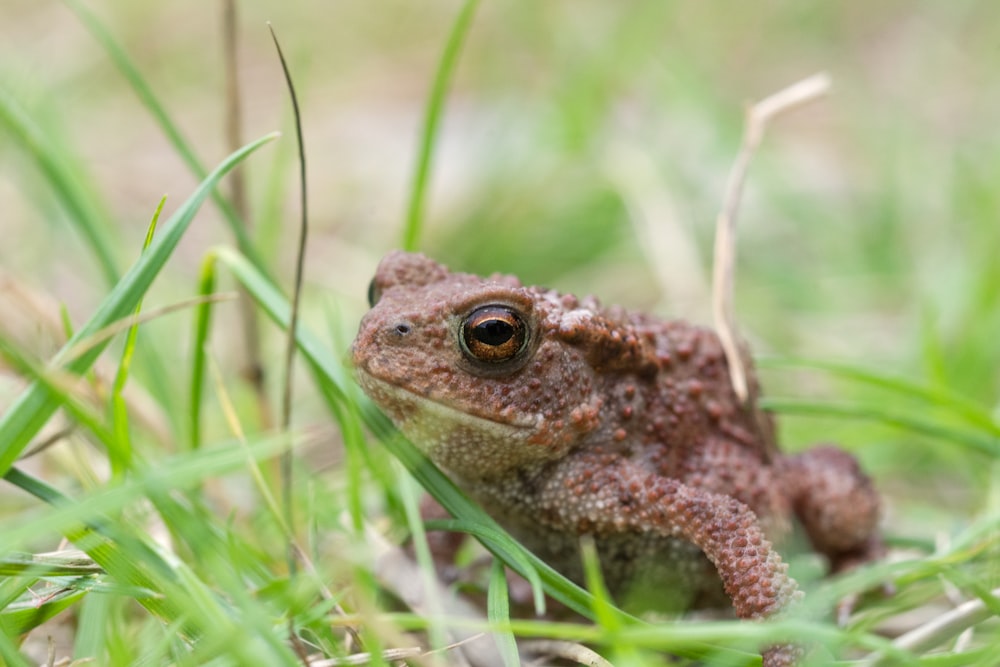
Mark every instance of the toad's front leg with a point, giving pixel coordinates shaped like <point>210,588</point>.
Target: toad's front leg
<point>592,495</point>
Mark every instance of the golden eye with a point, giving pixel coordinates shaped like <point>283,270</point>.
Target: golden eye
<point>493,334</point>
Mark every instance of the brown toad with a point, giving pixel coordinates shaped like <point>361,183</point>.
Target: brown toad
<point>565,418</point>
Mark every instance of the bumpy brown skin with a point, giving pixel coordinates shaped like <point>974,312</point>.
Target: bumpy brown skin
<point>610,424</point>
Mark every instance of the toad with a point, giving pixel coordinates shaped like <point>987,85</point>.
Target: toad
<point>564,418</point>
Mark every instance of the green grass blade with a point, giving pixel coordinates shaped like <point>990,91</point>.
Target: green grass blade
<point>432,122</point>
<point>173,474</point>
<point>142,567</point>
<point>12,588</point>
<point>10,656</point>
<point>202,326</point>
<point>91,630</point>
<point>935,397</point>
<point>145,92</point>
<point>119,411</point>
<point>352,432</point>
<point>81,413</point>
<point>973,440</point>
<point>498,612</point>
<point>595,584</point>
<point>127,556</point>
<point>83,212</point>
<point>35,405</point>
<point>26,615</point>
<point>68,564</point>
<point>436,633</point>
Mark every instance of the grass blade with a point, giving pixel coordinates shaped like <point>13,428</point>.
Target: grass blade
<point>36,404</point>
<point>25,615</point>
<point>62,563</point>
<point>935,397</point>
<point>202,325</point>
<point>92,620</point>
<point>176,473</point>
<point>58,386</point>
<point>145,93</point>
<point>973,440</point>
<point>432,122</point>
<point>131,560</point>
<point>9,655</point>
<point>83,212</point>
<point>498,612</point>
<point>119,412</point>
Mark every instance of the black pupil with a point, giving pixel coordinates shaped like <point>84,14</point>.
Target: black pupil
<point>493,332</point>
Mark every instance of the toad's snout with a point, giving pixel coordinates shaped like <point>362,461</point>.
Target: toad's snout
<point>377,333</point>
<point>394,345</point>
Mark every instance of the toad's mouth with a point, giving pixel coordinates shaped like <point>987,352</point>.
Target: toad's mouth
<point>408,408</point>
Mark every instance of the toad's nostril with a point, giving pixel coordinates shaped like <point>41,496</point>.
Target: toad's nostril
<point>403,328</point>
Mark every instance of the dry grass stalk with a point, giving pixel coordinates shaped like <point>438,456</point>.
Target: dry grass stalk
<point>723,267</point>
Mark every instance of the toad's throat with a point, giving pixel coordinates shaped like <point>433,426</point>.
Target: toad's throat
<point>404,405</point>
<point>470,445</point>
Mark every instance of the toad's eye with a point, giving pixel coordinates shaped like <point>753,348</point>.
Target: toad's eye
<point>374,293</point>
<point>493,334</point>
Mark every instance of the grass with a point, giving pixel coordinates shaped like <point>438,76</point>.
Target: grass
<point>146,526</point>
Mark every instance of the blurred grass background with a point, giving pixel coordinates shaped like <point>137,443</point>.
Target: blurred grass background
<point>573,134</point>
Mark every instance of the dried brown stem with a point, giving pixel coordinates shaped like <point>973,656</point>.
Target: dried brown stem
<point>757,118</point>
<point>41,445</point>
<point>253,367</point>
<point>293,317</point>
